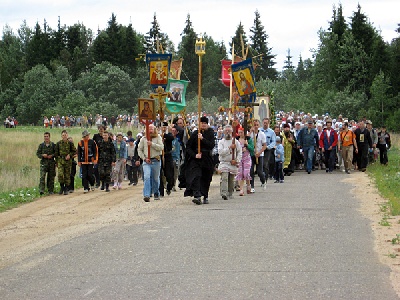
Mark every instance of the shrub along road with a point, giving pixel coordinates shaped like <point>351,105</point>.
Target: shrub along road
<point>304,239</point>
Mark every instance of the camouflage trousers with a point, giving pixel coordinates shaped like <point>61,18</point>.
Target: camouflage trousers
<point>48,168</point>
<point>105,170</point>
<point>64,172</point>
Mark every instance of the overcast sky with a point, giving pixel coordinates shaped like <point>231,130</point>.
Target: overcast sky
<point>290,24</point>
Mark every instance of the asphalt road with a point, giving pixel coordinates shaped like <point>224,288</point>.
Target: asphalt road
<point>304,239</point>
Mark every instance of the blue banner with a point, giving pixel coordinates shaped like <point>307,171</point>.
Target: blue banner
<point>159,65</point>
<point>176,103</point>
<point>244,80</point>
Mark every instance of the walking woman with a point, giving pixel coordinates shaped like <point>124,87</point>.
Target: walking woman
<point>245,164</point>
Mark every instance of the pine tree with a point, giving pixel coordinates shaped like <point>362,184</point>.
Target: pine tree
<point>237,41</point>
<point>338,24</point>
<point>186,50</point>
<point>155,36</point>
<point>259,49</point>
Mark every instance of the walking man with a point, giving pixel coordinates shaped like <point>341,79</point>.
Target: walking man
<point>308,140</point>
<point>260,144</point>
<point>364,142</point>
<point>107,158</point>
<point>328,144</point>
<point>87,158</point>
<point>270,138</point>
<point>347,144</point>
<point>230,155</point>
<point>65,151</point>
<point>45,152</point>
<point>151,164</point>
<point>200,166</point>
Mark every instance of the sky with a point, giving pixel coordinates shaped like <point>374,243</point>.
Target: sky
<point>289,24</point>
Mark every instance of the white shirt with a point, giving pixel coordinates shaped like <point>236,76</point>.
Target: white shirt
<point>261,139</point>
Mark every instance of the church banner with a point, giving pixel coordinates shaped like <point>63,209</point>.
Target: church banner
<point>243,77</point>
<point>176,103</point>
<point>159,66</point>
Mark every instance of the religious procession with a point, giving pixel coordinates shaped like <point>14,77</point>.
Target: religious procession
<point>244,145</point>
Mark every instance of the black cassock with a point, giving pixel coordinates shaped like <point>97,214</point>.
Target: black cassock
<point>199,172</point>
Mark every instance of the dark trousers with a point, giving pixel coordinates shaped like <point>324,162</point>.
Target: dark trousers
<point>383,158</point>
<point>73,173</point>
<point>279,170</point>
<point>132,173</point>
<point>266,163</point>
<point>259,169</point>
<point>330,156</point>
<point>167,170</point>
<point>96,174</point>
<point>362,156</point>
<point>87,175</point>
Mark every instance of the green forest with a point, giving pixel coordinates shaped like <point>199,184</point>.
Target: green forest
<point>70,70</point>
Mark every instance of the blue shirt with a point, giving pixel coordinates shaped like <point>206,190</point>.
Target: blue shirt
<point>270,137</point>
<point>279,150</point>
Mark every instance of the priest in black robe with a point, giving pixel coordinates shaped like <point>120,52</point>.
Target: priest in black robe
<point>200,166</point>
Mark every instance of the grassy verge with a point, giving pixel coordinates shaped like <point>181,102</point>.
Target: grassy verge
<point>387,178</point>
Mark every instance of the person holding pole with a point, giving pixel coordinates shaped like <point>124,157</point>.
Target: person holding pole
<point>200,165</point>
<point>150,151</point>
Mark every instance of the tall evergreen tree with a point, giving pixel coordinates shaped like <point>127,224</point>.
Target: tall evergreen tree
<point>338,24</point>
<point>260,49</point>
<point>186,50</point>
<point>237,41</point>
<point>156,36</point>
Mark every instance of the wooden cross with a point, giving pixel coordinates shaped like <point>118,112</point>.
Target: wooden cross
<point>160,94</point>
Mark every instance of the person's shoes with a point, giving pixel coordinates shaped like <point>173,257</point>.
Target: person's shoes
<point>327,170</point>
<point>309,172</point>
<point>196,201</point>
<point>146,199</point>
<point>41,192</point>
<point>130,183</point>
<point>241,193</point>
<point>281,181</point>
<point>252,190</point>
<point>85,191</point>
<point>230,197</point>
<point>135,183</point>
<point>174,189</point>
<point>92,188</point>
<point>98,185</point>
<point>102,187</point>
<point>107,187</point>
<point>71,191</point>
<point>264,186</point>
<point>168,192</point>
<point>330,172</point>
<point>115,186</point>
<point>119,186</point>
<point>347,172</point>
<point>66,192</point>
<point>156,197</point>
<point>276,181</point>
<point>205,201</point>
<point>225,197</point>
<point>363,169</point>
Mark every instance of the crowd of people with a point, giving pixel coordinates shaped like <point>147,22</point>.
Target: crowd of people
<point>185,153</point>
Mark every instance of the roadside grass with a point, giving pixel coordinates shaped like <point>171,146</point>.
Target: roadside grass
<point>19,165</point>
<point>387,178</point>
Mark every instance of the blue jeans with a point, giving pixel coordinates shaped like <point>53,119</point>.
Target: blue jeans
<point>151,174</point>
<point>308,152</point>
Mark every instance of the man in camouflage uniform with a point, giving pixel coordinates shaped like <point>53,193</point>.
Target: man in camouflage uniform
<point>107,158</point>
<point>45,152</point>
<point>65,151</point>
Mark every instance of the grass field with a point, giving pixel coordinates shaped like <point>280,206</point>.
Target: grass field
<point>387,178</point>
<point>19,165</point>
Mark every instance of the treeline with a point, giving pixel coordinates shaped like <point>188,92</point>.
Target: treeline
<point>71,70</point>
<point>353,72</point>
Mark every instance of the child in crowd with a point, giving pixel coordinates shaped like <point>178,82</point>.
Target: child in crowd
<point>279,159</point>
